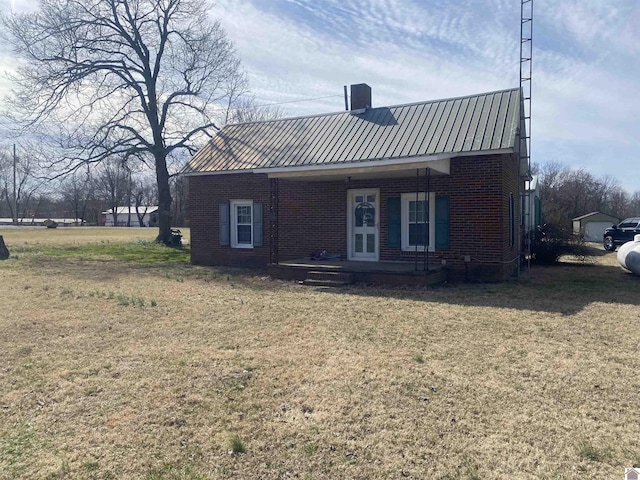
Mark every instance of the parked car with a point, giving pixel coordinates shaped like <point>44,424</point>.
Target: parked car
<point>621,233</point>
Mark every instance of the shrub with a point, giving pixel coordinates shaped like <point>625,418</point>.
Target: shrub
<point>550,242</point>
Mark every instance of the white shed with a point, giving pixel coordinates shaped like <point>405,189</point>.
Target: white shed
<point>592,225</point>
<point>149,214</point>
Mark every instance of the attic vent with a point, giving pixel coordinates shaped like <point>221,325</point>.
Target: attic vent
<point>360,98</point>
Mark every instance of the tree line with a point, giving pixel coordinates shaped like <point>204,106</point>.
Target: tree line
<point>567,193</point>
<point>83,194</point>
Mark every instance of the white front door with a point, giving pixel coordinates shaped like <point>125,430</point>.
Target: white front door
<point>362,226</point>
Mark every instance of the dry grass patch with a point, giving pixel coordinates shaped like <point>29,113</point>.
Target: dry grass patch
<point>112,367</point>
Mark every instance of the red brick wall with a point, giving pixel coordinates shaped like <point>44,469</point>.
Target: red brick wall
<point>312,216</point>
<point>206,193</point>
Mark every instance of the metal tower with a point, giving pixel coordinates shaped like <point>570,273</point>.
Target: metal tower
<point>526,55</point>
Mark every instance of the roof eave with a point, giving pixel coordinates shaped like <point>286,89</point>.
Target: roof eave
<point>408,162</point>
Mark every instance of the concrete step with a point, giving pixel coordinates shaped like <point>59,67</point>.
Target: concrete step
<point>324,283</point>
<point>328,279</point>
<point>343,277</point>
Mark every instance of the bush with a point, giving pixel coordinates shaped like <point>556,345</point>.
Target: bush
<point>551,242</point>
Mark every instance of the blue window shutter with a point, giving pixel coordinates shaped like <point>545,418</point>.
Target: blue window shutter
<point>257,225</point>
<point>394,223</point>
<point>224,224</point>
<point>442,222</point>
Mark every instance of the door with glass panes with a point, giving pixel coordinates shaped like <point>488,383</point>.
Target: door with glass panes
<point>363,225</point>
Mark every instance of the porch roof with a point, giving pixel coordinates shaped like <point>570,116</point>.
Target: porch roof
<point>412,134</point>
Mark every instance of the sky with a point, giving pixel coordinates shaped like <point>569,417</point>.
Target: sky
<point>586,73</point>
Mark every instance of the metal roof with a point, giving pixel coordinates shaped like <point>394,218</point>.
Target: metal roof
<point>593,214</point>
<point>464,125</point>
<point>126,210</point>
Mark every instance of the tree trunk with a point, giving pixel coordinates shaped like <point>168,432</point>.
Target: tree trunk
<point>4,251</point>
<point>129,200</point>
<point>35,212</point>
<point>164,200</point>
<point>83,214</point>
<point>140,217</point>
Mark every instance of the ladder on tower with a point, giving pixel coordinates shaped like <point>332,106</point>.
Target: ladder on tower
<point>526,56</point>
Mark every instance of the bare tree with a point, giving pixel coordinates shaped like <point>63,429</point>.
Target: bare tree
<point>112,182</point>
<point>568,193</point>
<point>23,169</point>
<point>634,205</point>
<point>245,109</point>
<point>124,78</point>
<point>144,194</point>
<point>619,203</point>
<point>76,192</point>
<point>6,182</point>
<point>602,192</point>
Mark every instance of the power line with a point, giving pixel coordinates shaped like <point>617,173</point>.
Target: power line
<point>297,101</point>
<point>222,109</point>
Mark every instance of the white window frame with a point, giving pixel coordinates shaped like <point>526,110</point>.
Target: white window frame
<point>410,197</point>
<point>233,205</point>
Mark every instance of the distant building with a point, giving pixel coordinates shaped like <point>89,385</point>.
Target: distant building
<point>592,225</point>
<point>147,213</point>
<point>29,222</point>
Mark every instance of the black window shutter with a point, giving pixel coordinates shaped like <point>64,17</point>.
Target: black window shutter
<point>394,223</point>
<point>224,224</point>
<point>442,223</point>
<point>257,225</point>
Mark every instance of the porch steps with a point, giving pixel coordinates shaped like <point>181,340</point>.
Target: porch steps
<point>328,279</point>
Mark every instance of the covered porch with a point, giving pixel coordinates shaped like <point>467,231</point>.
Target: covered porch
<point>363,257</point>
<point>336,272</point>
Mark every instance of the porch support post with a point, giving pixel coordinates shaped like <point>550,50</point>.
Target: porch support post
<point>427,226</point>
<point>415,256</point>
<point>273,221</point>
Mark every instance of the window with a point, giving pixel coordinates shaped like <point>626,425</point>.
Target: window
<point>417,227</point>
<point>629,223</point>
<point>242,223</point>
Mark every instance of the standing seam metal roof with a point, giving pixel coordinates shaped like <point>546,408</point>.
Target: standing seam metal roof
<point>476,123</point>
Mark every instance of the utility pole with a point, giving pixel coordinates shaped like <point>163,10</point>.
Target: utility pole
<point>15,196</point>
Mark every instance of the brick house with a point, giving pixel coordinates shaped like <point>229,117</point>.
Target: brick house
<point>420,186</point>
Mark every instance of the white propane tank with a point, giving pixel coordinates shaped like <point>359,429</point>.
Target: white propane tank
<point>629,256</point>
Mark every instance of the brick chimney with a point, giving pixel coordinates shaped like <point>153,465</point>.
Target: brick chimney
<point>360,98</point>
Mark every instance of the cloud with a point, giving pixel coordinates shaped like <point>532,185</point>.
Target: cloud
<point>585,73</point>
<point>586,77</point>
<point>404,53</point>
<point>18,6</point>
